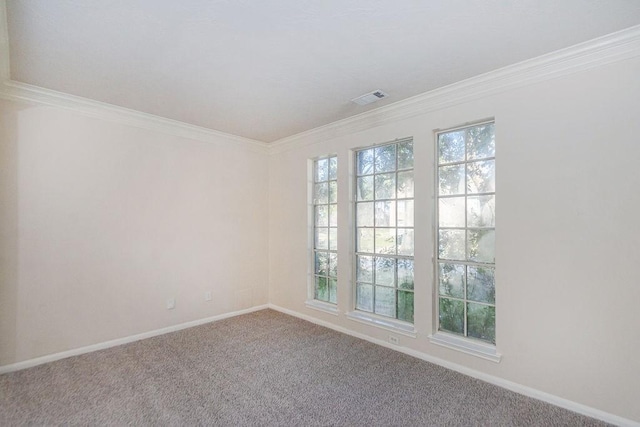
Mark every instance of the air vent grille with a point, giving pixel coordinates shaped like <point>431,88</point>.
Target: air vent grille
<point>370,97</point>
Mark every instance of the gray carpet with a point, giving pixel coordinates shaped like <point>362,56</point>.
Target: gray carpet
<point>264,368</point>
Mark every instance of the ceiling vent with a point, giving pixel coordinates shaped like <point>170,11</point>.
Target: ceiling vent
<point>368,98</point>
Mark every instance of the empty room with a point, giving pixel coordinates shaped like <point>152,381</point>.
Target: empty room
<point>299,212</point>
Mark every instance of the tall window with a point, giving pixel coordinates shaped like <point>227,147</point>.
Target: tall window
<point>325,220</point>
<point>384,230</point>
<point>466,223</point>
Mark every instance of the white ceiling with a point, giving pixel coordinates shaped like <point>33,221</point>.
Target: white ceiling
<point>270,69</point>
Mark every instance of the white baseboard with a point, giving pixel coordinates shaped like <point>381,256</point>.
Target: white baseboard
<point>500,382</point>
<point>119,341</point>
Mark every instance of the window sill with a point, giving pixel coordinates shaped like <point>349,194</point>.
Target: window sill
<point>322,306</point>
<point>465,345</point>
<point>392,325</point>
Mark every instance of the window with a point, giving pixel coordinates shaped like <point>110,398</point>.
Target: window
<point>325,223</point>
<point>384,230</point>
<point>466,203</point>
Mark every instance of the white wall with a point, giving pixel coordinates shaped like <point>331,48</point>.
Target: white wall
<point>567,233</point>
<point>101,222</point>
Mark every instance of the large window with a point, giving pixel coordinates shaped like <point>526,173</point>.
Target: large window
<point>466,221</point>
<point>384,230</point>
<point>325,223</point>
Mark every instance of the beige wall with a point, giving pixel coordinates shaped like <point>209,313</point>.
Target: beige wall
<point>100,223</point>
<point>567,235</point>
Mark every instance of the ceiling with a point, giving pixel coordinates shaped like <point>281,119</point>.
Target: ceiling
<point>270,69</point>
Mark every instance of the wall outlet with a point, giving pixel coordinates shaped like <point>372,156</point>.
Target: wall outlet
<point>171,303</point>
<point>207,296</point>
<point>393,340</point>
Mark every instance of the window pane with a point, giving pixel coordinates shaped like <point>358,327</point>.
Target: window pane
<point>451,315</point>
<point>333,265</point>
<point>322,238</point>
<point>481,322</point>
<point>451,245</point>
<point>322,263</point>
<point>333,192</point>
<point>333,239</point>
<point>405,155</point>
<point>451,212</point>
<point>385,186</point>
<point>365,162</point>
<point>385,160</point>
<point>364,297</point>
<point>481,211</point>
<point>451,147</point>
<point>322,216</point>
<point>385,271</point>
<point>365,188</point>
<point>333,168</point>
<point>333,215</point>
<point>365,269</point>
<point>481,284</point>
<point>405,185</point>
<point>481,245</point>
<point>365,240</point>
<point>322,289</point>
<point>385,214</point>
<point>481,142</point>
<point>405,306</point>
<point>321,194</point>
<point>451,180</point>
<point>405,241</point>
<point>322,170</point>
<point>405,273</point>
<point>451,280</point>
<point>385,301</point>
<point>481,177</point>
<point>333,291</point>
<point>405,213</point>
<point>364,214</point>
<point>385,241</point>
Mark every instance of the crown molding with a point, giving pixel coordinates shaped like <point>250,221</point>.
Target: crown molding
<point>604,50</point>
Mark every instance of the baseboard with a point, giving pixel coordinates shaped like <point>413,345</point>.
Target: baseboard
<point>500,382</point>
<point>119,341</point>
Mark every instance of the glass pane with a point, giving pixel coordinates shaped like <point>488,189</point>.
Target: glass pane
<point>333,265</point>
<point>451,180</point>
<point>364,297</point>
<point>333,192</point>
<point>333,168</point>
<point>482,245</point>
<point>385,158</point>
<point>481,211</point>
<point>322,290</point>
<point>322,216</point>
<point>365,162</point>
<point>333,290</point>
<point>364,188</point>
<point>405,241</point>
<point>321,193</point>
<point>481,142</point>
<point>364,212</point>
<point>405,185</point>
<point>481,177</point>
<point>322,263</point>
<point>451,245</point>
<point>385,271</point>
<point>405,155</point>
<point>385,213</point>
<point>385,301</point>
<point>405,213</point>
<point>405,306</point>
<point>451,147</point>
<point>322,170</point>
<point>365,240</point>
<point>451,280</point>
<point>481,284</point>
<point>385,241</point>
<point>322,238</point>
<point>481,322</point>
<point>405,273</point>
<point>451,212</point>
<point>333,239</point>
<point>333,215</point>
<point>451,313</point>
<point>365,269</point>
<point>385,186</point>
